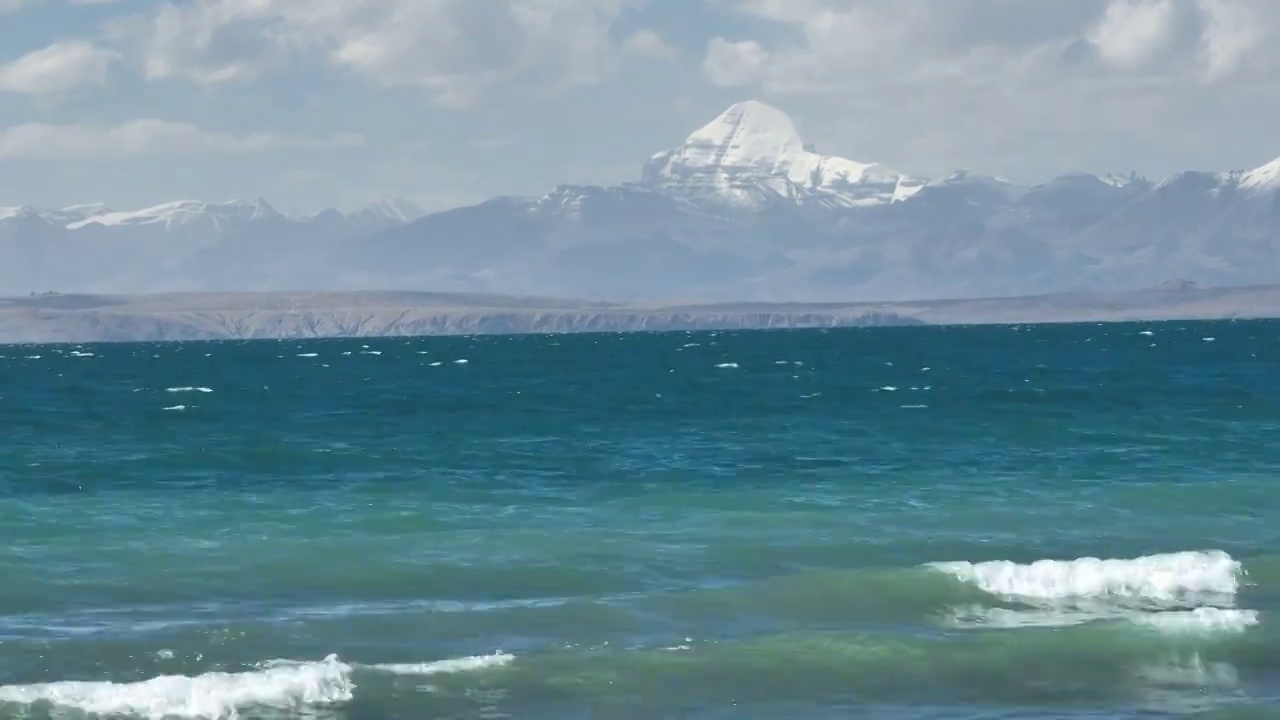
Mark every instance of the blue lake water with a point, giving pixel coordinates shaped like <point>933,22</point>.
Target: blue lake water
<point>1076,521</point>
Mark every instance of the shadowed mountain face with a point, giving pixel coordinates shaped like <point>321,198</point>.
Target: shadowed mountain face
<point>743,209</point>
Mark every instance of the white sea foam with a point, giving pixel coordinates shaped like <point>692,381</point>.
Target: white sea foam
<point>1202,620</point>
<point>1186,592</point>
<point>308,355</point>
<point>279,685</point>
<point>446,667</point>
<point>188,389</point>
<point>1170,580</point>
<point>978,616</point>
<point>178,408</point>
<point>727,366</point>
<point>212,696</point>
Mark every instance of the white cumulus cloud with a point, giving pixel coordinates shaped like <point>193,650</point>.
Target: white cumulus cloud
<point>57,68</point>
<point>1017,86</point>
<point>729,64</point>
<point>455,49</point>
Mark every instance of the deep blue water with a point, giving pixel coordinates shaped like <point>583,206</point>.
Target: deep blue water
<point>882,523</point>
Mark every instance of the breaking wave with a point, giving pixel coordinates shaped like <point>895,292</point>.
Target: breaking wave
<point>277,685</point>
<point>1177,592</point>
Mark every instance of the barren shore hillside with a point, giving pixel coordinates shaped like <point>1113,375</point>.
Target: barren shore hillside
<point>207,316</point>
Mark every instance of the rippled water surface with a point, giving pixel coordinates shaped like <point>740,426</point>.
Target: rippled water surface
<point>1044,522</point>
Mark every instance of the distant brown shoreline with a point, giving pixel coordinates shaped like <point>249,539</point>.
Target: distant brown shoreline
<point>80,318</point>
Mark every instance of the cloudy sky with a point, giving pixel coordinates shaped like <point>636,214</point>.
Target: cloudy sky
<point>312,103</point>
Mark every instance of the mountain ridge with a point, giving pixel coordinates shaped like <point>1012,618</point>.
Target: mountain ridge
<point>742,209</point>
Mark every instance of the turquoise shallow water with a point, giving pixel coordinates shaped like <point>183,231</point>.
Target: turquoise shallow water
<point>881,523</point>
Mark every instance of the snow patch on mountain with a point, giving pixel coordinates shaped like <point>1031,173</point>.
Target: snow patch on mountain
<point>9,213</point>
<point>397,209</point>
<point>87,210</point>
<point>182,212</point>
<point>752,153</point>
<point>1262,179</point>
<point>1122,181</point>
<point>59,218</point>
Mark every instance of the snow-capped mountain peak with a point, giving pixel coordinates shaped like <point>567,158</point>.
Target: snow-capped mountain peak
<point>1265,178</point>
<point>747,134</point>
<point>752,153</point>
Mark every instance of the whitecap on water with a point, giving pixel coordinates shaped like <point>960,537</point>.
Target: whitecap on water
<point>1155,578</point>
<point>212,696</point>
<point>455,665</point>
<point>188,389</point>
<point>276,685</point>
<point>1201,620</point>
<point>1174,593</point>
<point>727,366</point>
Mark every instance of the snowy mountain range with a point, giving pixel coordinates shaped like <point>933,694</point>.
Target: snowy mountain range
<point>181,245</point>
<point>743,209</point>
